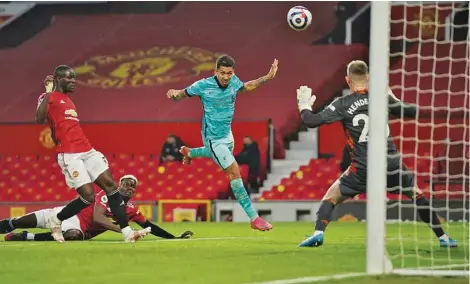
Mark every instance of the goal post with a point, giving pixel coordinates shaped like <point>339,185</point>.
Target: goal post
<point>431,68</point>
<point>377,150</point>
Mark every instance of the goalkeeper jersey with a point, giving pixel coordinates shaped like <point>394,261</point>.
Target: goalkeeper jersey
<point>352,110</point>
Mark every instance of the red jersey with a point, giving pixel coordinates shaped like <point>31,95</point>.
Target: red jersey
<point>63,120</point>
<point>86,215</point>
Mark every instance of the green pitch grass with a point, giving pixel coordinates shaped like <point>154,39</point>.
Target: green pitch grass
<point>228,253</point>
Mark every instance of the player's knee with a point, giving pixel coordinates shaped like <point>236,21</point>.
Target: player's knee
<point>109,185</point>
<point>89,197</point>
<point>73,235</point>
<point>233,171</point>
<point>87,193</point>
<point>331,200</point>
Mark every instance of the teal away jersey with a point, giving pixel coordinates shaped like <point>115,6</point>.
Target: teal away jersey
<point>218,105</point>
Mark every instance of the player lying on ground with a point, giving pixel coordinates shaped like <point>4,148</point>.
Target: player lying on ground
<point>87,224</point>
<point>80,163</point>
<point>218,94</point>
<point>352,111</point>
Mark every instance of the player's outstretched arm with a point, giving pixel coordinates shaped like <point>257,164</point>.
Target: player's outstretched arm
<point>400,109</point>
<point>161,233</point>
<point>41,111</point>
<point>176,95</point>
<point>99,217</point>
<point>254,84</point>
<point>305,100</point>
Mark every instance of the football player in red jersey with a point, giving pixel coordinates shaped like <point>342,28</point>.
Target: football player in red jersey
<point>90,222</point>
<point>80,163</point>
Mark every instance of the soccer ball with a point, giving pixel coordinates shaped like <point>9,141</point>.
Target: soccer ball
<point>299,18</point>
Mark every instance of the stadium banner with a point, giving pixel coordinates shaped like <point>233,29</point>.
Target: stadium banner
<point>350,211</point>
<point>10,11</point>
<point>184,210</point>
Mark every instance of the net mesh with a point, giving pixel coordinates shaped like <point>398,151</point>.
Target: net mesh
<point>430,51</point>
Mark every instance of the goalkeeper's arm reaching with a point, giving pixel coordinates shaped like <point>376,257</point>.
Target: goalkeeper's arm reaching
<point>305,101</point>
<point>400,109</point>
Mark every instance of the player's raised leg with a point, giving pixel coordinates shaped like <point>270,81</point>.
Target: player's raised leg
<point>331,198</point>
<point>189,153</point>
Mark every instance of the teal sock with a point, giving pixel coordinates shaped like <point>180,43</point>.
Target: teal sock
<point>243,198</point>
<point>199,152</point>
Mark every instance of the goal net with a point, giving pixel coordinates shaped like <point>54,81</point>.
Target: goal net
<point>429,66</point>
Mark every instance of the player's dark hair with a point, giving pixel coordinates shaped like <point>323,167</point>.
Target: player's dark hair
<point>225,61</point>
<point>60,70</point>
<point>74,235</point>
<point>357,68</point>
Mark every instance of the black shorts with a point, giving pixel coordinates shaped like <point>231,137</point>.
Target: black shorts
<point>398,179</point>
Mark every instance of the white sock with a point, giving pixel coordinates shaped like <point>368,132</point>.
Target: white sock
<point>126,231</point>
<point>30,237</point>
<point>444,237</point>
<point>252,219</point>
<point>318,233</point>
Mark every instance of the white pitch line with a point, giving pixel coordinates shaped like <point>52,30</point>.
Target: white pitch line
<point>410,271</point>
<point>182,240</point>
<point>312,279</point>
<point>32,243</point>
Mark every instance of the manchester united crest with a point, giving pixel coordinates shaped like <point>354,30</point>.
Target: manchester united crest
<point>146,67</point>
<point>45,138</point>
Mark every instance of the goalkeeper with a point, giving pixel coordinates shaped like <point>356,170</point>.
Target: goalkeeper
<point>352,111</point>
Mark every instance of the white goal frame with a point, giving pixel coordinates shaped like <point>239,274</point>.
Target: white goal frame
<point>377,260</point>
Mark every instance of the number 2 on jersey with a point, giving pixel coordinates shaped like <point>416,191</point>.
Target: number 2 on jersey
<point>365,130</point>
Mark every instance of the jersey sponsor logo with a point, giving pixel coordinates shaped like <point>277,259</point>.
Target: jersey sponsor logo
<point>145,67</point>
<point>71,114</point>
<point>45,138</point>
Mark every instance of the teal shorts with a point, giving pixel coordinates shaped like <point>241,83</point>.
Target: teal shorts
<point>221,151</point>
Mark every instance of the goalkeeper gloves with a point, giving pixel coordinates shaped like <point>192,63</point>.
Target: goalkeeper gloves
<point>305,99</point>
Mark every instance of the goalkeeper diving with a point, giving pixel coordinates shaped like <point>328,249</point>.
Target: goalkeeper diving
<point>352,111</point>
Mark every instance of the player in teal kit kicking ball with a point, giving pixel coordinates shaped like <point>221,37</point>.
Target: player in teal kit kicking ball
<point>218,94</point>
